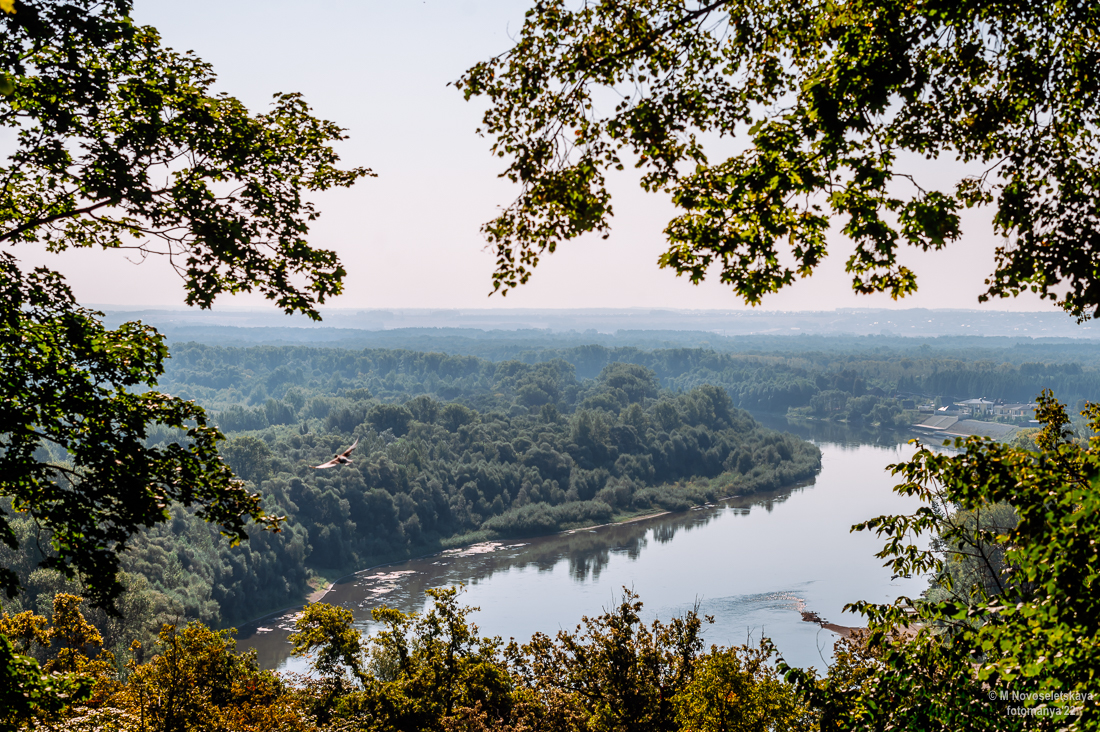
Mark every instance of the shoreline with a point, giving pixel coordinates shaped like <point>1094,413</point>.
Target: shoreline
<point>319,594</point>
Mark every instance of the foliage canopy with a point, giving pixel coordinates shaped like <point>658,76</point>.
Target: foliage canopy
<point>122,143</point>
<point>613,673</point>
<point>832,102</point>
<point>1027,621</point>
<point>118,142</point>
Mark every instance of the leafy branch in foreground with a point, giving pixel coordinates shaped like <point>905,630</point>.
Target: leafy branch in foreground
<point>1028,625</point>
<point>118,142</point>
<point>831,102</point>
<point>68,390</point>
<point>122,143</point>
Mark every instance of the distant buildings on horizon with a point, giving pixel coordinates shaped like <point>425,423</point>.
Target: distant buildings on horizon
<point>949,420</point>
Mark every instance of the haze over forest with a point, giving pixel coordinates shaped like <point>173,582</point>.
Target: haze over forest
<point>598,323</point>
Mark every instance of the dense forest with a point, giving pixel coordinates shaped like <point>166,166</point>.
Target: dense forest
<point>449,450</point>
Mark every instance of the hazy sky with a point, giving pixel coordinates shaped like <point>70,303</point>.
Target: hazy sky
<point>410,237</point>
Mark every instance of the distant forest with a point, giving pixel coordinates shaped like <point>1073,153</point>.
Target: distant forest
<point>838,383</point>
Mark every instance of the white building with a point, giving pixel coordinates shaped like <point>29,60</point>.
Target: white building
<point>975,406</point>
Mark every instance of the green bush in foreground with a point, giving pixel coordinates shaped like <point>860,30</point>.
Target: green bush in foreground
<point>428,671</point>
<point>1011,640</point>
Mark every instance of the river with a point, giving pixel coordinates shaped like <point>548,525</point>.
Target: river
<point>753,563</point>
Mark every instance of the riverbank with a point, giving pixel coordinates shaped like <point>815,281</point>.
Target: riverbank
<point>451,544</point>
<point>704,488</point>
<point>463,543</point>
<point>627,518</point>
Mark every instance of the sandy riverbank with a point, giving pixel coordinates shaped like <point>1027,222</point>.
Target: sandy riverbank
<point>319,594</point>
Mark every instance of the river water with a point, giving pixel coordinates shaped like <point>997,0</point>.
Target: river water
<point>753,563</point>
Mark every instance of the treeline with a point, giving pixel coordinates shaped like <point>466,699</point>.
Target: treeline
<point>519,343</point>
<point>887,382</point>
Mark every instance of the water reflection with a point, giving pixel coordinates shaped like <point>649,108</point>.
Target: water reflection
<point>587,553</point>
<point>839,434</point>
<point>753,562</point>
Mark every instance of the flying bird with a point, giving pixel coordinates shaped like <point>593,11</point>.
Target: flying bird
<point>340,459</point>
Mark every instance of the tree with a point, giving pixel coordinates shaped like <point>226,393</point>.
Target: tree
<point>737,690</point>
<point>121,143</point>
<point>832,102</point>
<point>326,631</point>
<point>426,671</point>
<point>26,691</point>
<point>1019,626</point>
<point>198,682</point>
<point>79,669</point>
<point>68,384</point>
<point>616,673</point>
<point>249,458</point>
